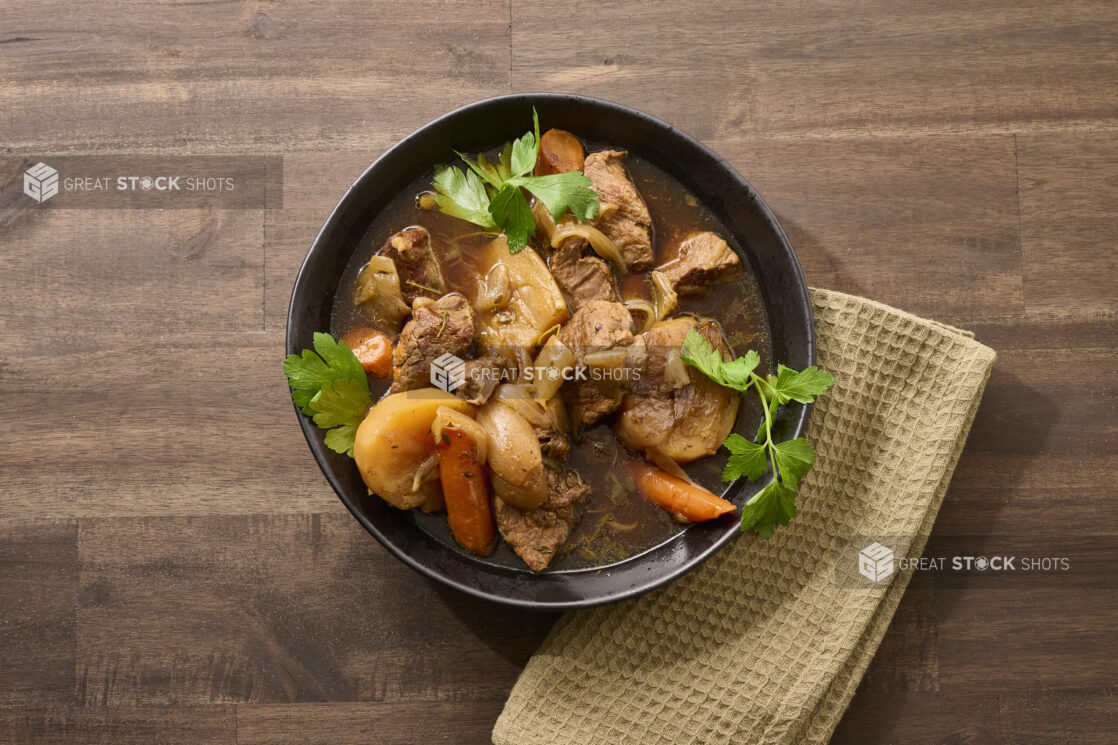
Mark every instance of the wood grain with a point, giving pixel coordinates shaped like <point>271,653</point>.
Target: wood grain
<point>174,423</point>
<point>175,569</point>
<point>820,69</point>
<point>278,609</point>
<point>116,725</point>
<point>229,77</point>
<point>412,723</point>
<point>926,224</point>
<point>38,624</point>
<point>1068,193</point>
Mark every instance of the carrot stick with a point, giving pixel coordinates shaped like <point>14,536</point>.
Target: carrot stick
<point>466,492</point>
<point>560,152</point>
<point>373,350</point>
<point>677,496</point>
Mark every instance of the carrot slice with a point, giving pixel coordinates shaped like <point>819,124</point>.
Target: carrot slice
<point>677,496</point>
<point>560,152</point>
<point>466,492</point>
<point>373,350</point>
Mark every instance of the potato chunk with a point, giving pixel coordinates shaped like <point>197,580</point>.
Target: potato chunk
<point>535,305</point>
<point>394,440</point>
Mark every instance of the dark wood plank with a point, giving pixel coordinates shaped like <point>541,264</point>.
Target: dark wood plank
<point>1045,635</point>
<point>229,77</point>
<point>171,725</point>
<point>921,718</point>
<point>181,422</point>
<point>273,609</point>
<point>74,275</point>
<point>1068,193</point>
<point>928,225</point>
<point>1042,439</point>
<point>725,68</point>
<point>411,723</point>
<point>1080,716</point>
<point>38,600</point>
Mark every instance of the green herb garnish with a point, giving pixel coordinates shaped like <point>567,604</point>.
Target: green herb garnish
<point>490,195</point>
<point>332,388</point>
<point>790,461</point>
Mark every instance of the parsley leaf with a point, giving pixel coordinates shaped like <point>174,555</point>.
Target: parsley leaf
<point>565,191</point>
<point>746,459</point>
<point>492,195</point>
<point>776,503</point>
<point>791,460</point>
<point>343,402</point>
<point>462,195</point>
<point>340,439</point>
<point>510,208</point>
<point>330,386</point>
<point>802,386</point>
<point>526,149</point>
<point>794,459</point>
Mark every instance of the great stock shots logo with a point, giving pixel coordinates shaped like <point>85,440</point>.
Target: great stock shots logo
<point>128,181</point>
<point>40,182</point>
<point>448,372</point>
<point>875,562</point>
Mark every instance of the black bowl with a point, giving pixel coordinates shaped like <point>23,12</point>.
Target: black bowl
<point>477,127</point>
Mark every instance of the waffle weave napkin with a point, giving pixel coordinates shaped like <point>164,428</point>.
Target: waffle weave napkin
<point>764,643</point>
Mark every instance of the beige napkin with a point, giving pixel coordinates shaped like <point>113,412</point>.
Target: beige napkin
<point>767,641</point>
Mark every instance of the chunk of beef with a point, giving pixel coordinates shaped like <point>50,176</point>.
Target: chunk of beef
<point>536,535</point>
<point>581,278</point>
<point>703,258</point>
<point>436,328</point>
<point>630,227</point>
<point>420,275</point>
<point>595,328</point>
<point>675,409</point>
<point>482,376</point>
<point>552,433</point>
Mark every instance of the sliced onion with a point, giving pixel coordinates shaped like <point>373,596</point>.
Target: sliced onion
<point>494,291</point>
<point>515,460</point>
<point>602,245</point>
<point>427,471</point>
<point>667,464</point>
<point>606,358</point>
<point>664,298</point>
<point>547,373</point>
<point>512,392</point>
<point>448,418</point>
<point>532,411</point>
<point>378,288</point>
<point>545,225</point>
<point>647,312</point>
<point>675,371</point>
<point>542,338</point>
<point>606,210</point>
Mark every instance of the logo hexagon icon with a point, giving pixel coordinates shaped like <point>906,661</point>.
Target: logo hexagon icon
<point>875,562</point>
<point>40,182</point>
<point>448,372</point>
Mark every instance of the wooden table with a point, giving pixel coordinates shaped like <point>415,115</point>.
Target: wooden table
<point>173,566</point>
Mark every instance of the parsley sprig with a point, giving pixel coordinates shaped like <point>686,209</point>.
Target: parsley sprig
<point>491,195</point>
<point>790,461</point>
<point>332,388</point>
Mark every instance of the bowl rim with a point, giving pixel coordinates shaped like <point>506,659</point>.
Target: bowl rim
<point>798,417</point>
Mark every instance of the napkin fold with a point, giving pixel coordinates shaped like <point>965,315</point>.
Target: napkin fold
<point>768,640</point>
